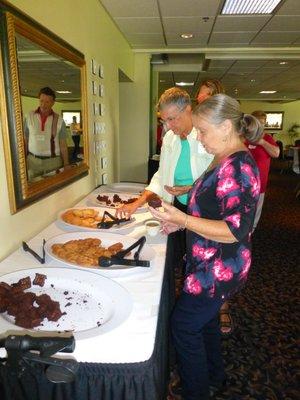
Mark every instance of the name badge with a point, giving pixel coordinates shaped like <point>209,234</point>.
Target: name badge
<point>40,138</point>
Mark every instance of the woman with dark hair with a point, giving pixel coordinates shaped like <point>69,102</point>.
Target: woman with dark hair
<point>219,221</point>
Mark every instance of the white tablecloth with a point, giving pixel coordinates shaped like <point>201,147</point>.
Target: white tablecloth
<point>133,340</point>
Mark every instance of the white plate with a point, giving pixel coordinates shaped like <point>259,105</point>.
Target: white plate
<point>93,304</point>
<point>107,239</point>
<point>114,228</point>
<point>93,201</point>
<point>126,187</point>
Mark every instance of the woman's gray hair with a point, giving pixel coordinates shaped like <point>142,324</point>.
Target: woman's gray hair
<point>174,96</point>
<point>220,107</point>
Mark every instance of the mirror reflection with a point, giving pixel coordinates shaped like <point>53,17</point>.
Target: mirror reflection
<point>50,89</point>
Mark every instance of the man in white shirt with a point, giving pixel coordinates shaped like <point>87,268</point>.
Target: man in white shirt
<point>45,137</point>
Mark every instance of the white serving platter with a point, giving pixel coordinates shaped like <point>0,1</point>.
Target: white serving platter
<point>94,304</point>
<point>115,228</point>
<point>126,187</point>
<point>107,239</point>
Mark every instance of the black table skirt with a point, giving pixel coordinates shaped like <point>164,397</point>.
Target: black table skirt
<point>135,381</point>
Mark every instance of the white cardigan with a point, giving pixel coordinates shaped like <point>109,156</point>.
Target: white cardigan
<point>169,156</point>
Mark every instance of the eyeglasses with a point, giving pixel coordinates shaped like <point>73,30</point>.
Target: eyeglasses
<point>169,120</point>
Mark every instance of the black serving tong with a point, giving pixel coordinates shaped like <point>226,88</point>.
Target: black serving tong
<point>24,351</point>
<point>118,258</point>
<point>33,253</point>
<point>114,221</point>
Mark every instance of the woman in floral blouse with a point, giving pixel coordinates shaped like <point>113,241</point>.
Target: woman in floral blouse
<point>219,222</point>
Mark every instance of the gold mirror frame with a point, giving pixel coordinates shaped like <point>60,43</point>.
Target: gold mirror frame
<point>22,192</point>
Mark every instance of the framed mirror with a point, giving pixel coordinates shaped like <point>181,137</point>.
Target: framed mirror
<point>41,77</point>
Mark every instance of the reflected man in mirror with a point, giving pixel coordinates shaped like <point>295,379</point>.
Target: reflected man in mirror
<point>45,137</point>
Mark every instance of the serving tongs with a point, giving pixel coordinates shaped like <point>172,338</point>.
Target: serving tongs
<point>33,253</point>
<point>114,221</point>
<point>24,351</point>
<point>118,258</point>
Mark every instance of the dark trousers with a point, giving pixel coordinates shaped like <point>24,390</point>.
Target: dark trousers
<point>175,262</point>
<point>196,336</point>
<point>76,140</point>
<point>177,243</point>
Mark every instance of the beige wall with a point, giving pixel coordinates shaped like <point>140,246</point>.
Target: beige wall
<point>291,115</point>
<point>86,26</point>
<point>134,122</point>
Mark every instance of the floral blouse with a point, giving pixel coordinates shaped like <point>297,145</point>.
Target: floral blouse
<point>229,192</point>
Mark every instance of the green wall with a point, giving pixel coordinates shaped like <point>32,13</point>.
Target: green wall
<point>135,122</point>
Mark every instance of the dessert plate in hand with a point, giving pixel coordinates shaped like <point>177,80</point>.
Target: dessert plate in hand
<point>91,304</point>
<point>107,239</point>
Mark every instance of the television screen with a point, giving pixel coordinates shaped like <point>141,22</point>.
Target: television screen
<point>274,120</point>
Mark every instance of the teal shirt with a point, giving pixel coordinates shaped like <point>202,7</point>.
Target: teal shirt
<point>183,172</point>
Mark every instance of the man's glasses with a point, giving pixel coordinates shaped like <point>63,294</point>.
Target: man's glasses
<point>171,119</point>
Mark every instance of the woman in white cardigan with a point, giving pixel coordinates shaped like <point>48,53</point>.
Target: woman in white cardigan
<point>182,160</point>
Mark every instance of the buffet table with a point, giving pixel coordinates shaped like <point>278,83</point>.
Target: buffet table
<point>128,362</point>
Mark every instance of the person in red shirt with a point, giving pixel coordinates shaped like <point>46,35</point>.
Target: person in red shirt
<point>262,152</point>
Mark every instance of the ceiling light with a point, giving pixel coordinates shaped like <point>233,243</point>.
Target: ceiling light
<point>268,91</point>
<point>187,35</point>
<point>283,62</point>
<point>63,91</point>
<point>249,6</point>
<point>184,83</point>
<point>252,80</point>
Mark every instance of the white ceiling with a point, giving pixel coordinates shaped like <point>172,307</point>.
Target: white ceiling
<point>242,51</point>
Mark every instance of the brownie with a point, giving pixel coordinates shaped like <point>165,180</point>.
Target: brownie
<point>154,201</point>
<point>22,284</point>
<point>28,309</point>
<point>4,301</point>
<point>103,199</point>
<point>39,280</point>
<point>117,198</point>
<point>4,287</point>
<point>131,200</point>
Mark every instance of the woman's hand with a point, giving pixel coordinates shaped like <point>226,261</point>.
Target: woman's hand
<point>168,227</point>
<point>170,215</point>
<point>177,190</point>
<point>126,210</point>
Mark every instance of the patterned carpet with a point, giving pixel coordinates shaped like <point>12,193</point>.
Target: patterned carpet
<point>261,354</point>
